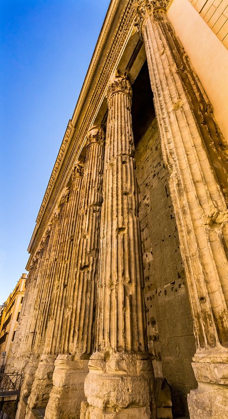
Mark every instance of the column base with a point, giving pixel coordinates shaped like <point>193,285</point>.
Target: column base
<point>119,385</point>
<point>208,402</point>
<point>90,412</point>
<point>41,386</point>
<point>67,392</point>
<point>210,399</point>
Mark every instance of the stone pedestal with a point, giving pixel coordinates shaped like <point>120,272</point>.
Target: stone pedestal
<point>29,373</point>
<point>210,399</point>
<point>119,385</point>
<point>68,388</point>
<point>42,385</point>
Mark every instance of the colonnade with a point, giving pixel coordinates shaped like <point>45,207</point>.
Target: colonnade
<point>86,339</point>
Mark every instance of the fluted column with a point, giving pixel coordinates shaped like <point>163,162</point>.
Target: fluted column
<point>24,349</point>
<point>120,374</point>
<point>64,256</point>
<point>42,283</point>
<point>196,155</point>
<point>53,292</point>
<point>76,339</point>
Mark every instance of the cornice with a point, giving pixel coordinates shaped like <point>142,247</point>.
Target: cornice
<point>114,35</point>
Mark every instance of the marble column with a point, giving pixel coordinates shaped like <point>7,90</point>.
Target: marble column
<point>75,343</point>
<point>196,155</point>
<point>53,291</point>
<point>119,382</point>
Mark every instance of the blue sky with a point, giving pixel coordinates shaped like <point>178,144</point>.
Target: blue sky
<point>45,51</point>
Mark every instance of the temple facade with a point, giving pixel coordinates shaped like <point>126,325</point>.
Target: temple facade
<point>125,313</point>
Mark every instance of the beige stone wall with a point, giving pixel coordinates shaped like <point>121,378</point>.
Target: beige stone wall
<point>169,321</point>
<point>10,317</point>
<point>208,56</point>
<point>215,14</point>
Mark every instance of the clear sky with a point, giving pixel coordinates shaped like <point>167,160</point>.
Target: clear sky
<point>45,51</point>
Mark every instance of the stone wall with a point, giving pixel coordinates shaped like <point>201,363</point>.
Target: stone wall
<point>215,14</point>
<point>169,321</point>
<point>208,56</point>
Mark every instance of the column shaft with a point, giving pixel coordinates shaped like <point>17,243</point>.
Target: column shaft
<point>121,278</point>
<point>26,349</point>
<point>80,339</point>
<point>52,294</point>
<point>64,264</point>
<point>196,155</point>
<point>77,330</point>
<point>120,373</point>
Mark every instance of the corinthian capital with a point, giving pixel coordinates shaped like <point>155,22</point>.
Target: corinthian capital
<point>145,8</point>
<point>56,213</point>
<point>119,84</point>
<point>47,232</point>
<point>95,135</point>
<point>77,171</point>
<point>64,196</point>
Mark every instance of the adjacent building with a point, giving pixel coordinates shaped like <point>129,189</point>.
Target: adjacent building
<point>126,303</point>
<point>9,315</point>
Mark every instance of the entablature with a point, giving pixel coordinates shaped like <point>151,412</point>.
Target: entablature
<point>118,46</point>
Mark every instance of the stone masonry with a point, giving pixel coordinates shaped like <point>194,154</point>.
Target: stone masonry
<point>125,314</point>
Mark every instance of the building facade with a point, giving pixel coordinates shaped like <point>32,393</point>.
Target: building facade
<point>125,312</point>
<point>10,314</point>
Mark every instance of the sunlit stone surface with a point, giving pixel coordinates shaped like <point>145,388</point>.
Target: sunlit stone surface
<point>125,312</point>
